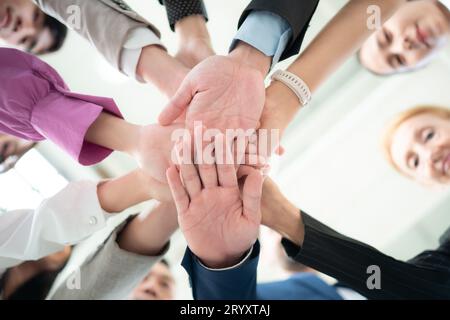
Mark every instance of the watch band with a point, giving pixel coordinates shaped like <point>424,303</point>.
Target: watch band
<point>179,9</point>
<point>297,85</point>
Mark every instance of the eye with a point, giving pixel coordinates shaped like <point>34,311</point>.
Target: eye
<point>164,284</point>
<point>413,162</point>
<point>387,36</point>
<point>428,134</point>
<point>400,60</point>
<point>23,40</point>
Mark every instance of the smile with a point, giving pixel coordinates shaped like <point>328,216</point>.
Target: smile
<point>446,164</point>
<point>422,37</point>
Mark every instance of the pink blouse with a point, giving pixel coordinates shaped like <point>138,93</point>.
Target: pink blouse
<point>36,104</point>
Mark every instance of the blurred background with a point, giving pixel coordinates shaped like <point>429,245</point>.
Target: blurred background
<point>333,167</point>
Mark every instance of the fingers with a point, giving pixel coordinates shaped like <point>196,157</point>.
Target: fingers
<point>177,105</point>
<point>207,167</point>
<point>188,170</point>
<point>178,192</point>
<point>251,197</point>
<point>226,172</point>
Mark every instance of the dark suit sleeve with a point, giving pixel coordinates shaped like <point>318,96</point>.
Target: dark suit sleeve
<point>179,9</point>
<point>234,284</point>
<point>427,276</point>
<point>298,13</point>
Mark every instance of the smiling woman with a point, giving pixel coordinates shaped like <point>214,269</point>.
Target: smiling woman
<point>417,144</point>
<point>409,39</point>
<point>24,25</point>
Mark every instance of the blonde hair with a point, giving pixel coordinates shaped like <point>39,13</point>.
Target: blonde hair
<point>402,117</point>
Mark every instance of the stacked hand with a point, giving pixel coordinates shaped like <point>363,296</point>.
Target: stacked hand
<point>219,216</point>
<point>220,92</point>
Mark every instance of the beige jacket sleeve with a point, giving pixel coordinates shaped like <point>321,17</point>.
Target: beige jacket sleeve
<point>106,24</point>
<point>100,270</point>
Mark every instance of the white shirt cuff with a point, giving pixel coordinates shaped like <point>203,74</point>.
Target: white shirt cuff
<point>247,256</point>
<point>132,49</point>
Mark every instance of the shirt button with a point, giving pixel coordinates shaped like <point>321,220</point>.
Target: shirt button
<point>92,221</point>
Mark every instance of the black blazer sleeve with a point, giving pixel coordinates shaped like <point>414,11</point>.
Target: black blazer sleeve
<point>426,276</point>
<point>179,9</point>
<point>298,13</point>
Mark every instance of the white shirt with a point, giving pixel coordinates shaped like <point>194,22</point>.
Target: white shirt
<point>68,217</point>
<point>137,40</point>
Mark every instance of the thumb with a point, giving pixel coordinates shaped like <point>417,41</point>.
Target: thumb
<point>177,105</point>
<point>252,193</point>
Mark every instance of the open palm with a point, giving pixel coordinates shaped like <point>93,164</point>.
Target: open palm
<point>220,222</point>
<point>221,93</point>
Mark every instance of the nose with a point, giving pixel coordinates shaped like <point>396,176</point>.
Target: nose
<point>408,44</point>
<point>433,160</point>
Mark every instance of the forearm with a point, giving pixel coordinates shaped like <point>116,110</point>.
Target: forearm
<point>344,34</point>
<point>158,67</point>
<point>279,214</point>
<point>192,27</point>
<point>118,194</point>
<point>113,133</point>
<point>149,232</point>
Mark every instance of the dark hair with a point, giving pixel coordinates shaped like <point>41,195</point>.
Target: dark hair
<point>37,288</point>
<point>58,32</point>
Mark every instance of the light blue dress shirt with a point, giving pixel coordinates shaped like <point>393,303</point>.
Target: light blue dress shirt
<point>265,31</point>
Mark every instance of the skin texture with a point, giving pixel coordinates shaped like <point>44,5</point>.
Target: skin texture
<point>22,25</point>
<point>219,218</point>
<point>280,215</point>
<point>409,40</point>
<point>317,62</point>
<point>232,100</point>
<point>194,41</point>
<point>420,148</point>
<point>159,284</point>
<point>223,92</point>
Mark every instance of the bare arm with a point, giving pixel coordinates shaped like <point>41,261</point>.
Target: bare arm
<point>118,194</point>
<point>148,233</point>
<point>340,38</point>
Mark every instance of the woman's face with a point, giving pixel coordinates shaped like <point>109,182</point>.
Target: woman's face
<point>421,148</point>
<point>409,39</point>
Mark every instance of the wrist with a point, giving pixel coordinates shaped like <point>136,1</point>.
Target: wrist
<point>192,27</point>
<point>158,67</point>
<point>281,215</point>
<point>222,263</point>
<point>281,107</point>
<point>144,183</point>
<point>245,54</point>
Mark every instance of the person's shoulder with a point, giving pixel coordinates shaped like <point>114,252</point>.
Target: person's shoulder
<point>445,238</point>
<point>13,57</point>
